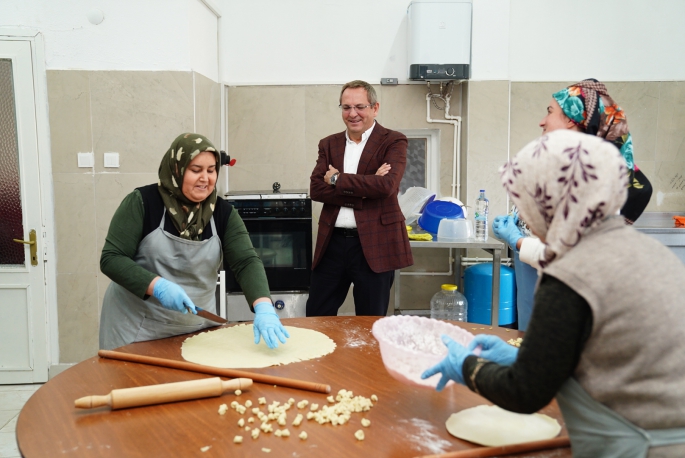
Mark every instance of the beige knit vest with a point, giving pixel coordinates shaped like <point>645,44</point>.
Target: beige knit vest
<point>634,359</point>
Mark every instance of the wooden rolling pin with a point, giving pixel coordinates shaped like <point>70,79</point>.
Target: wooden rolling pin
<point>484,452</point>
<point>163,393</point>
<point>230,373</point>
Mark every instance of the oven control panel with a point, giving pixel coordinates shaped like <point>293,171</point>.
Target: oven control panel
<point>272,208</point>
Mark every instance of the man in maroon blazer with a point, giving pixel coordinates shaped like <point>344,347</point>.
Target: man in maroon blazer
<point>362,237</point>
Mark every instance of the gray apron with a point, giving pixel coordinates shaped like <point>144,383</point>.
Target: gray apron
<point>597,431</point>
<point>193,265</point>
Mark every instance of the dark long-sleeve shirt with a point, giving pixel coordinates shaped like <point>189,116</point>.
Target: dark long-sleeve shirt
<point>136,217</point>
<point>559,327</point>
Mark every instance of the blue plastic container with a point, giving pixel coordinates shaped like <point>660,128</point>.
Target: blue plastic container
<point>478,292</point>
<point>436,211</point>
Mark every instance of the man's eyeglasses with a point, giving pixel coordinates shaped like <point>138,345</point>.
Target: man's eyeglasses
<point>357,108</point>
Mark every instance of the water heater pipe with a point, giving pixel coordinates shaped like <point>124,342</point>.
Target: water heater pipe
<point>474,261</point>
<point>456,150</point>
<point>456,155</point>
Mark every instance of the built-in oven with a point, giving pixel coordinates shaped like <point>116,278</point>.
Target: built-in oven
<point>280,227</point>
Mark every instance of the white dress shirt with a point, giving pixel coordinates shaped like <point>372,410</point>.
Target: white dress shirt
<point>353,152</point>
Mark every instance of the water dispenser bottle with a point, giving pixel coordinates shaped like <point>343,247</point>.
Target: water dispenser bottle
<point>449,304</point>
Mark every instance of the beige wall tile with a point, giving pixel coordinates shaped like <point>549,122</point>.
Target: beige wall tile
<point>208,108</point>
<point>640,101</point>
<point>488,120</point>
<point>529,103</point>
<point>266,127</point>
<point>488,111</point>
<point>70,126</point>
<point>322,118</point>
<point>671,122</point>
<point>74,199</point>
<point>78,316</point>
<point>668,182</point>
<point>669,167</point>
<point>138,115</point>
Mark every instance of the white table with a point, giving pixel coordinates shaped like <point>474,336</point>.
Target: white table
<point>492,246</point>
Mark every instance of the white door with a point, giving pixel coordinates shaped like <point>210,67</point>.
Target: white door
<point>23,346</point>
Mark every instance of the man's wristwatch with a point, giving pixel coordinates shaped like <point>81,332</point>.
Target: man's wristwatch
<point>334,178</point>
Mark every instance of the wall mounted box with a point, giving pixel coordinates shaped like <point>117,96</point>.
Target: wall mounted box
<point>389,81</point>
<point>439,39</point>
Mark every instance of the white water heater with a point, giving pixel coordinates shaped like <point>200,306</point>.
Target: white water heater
<point>439,39</point>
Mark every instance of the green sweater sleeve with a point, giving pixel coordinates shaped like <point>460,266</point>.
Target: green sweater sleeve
<point>124,235</point>
<point>241,257</point>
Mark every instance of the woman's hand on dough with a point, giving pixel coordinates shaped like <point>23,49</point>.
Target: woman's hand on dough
<point>452,366</point>
<point>268,326</point>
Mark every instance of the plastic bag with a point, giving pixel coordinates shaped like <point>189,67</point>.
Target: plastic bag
<point>412,202</point>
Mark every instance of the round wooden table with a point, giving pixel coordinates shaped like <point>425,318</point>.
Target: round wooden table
<point>405,422</point>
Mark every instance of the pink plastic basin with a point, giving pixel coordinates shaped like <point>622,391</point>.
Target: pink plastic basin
<point>411,344</point>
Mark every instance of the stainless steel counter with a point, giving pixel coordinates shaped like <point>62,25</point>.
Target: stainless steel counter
<point>492,245</point>
<point>661,226</point>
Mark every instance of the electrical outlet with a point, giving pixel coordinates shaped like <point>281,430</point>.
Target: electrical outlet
<point>86,160</point>
<point>112,160</point>
<point>389,81</point>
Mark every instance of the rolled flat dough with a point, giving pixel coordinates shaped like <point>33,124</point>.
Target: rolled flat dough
<point>234,348</point>
<point>493,426</point>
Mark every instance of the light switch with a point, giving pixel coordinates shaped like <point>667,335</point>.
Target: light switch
<point>86,160</point>
<point>112,160</point>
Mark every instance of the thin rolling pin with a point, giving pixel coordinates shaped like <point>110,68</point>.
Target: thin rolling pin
<point>230,373</point>
<point>163,393</point>
<point>484,452</point>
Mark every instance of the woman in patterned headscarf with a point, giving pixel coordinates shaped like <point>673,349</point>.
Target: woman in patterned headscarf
<point>588,106</point>
<point>584,107</point>
<point>164,247</point>
<point>614,361</point>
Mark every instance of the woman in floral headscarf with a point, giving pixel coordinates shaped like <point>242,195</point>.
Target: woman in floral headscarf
<point>584,107</point>
<point>164,247</point>
<point>589,107</point>
<point>614,361</point>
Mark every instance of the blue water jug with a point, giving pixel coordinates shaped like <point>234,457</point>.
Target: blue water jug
<point>478,292</point>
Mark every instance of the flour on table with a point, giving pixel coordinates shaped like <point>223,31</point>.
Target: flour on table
<point>234,348</point>
<point>420,432</point>
<point>493,426</point>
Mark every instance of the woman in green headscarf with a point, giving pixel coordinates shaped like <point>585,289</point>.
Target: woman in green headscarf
<point>164,247</point>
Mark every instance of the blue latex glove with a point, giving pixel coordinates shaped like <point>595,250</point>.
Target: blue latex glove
<point>494,349</point>
<point>267,325</point>
<point>452,366</point>
<point>172,296</point>
<point>505,228</point>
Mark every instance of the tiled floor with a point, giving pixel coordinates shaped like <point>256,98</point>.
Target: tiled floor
<point>12,399</point>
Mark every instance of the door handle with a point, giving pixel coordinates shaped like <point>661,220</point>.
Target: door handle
<point>32,245</point>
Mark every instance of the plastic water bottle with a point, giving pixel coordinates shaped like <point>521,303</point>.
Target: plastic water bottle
<point>481,216</point>
<point>449,304</point>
